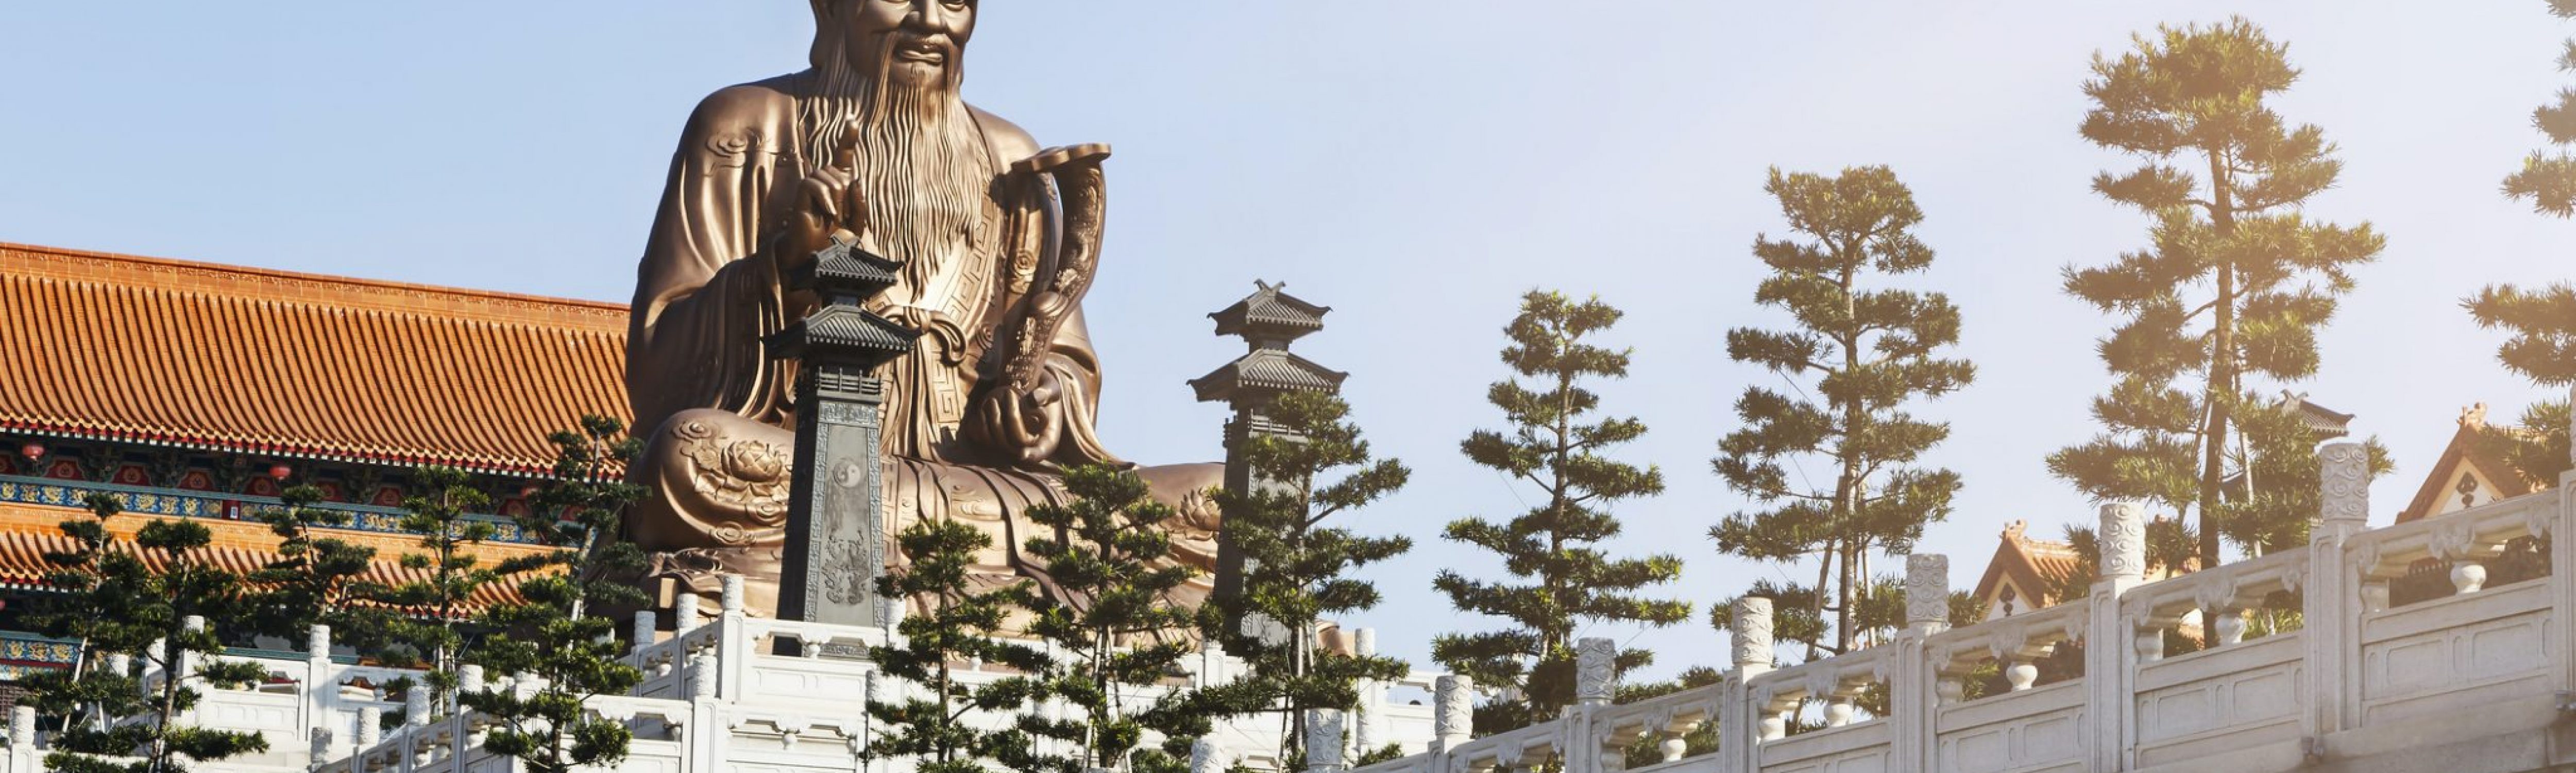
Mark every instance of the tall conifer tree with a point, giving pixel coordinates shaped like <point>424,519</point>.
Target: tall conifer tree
<point>2540,322</point>
<point>1870,352</point>
<point>959,625</point>
<point>1561,577</point>
<point>1296,570</point>
<point>2235,282</point>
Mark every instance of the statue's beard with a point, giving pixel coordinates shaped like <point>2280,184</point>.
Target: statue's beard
<point>922,163</point>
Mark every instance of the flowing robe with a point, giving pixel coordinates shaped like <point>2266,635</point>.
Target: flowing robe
<point>719,410</point>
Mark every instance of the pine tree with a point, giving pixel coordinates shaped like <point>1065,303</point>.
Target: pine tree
<point>549,634</point>
<point>2235,283</point>
<point>1117,629</point>
<point>1296,571</point>
<point>2541,322</point>
<point>1553,551</point>
<point>430,627</point>
<point>317,578</point>
<point>118,602</point>
<point>959,626</point>
<point>1870,352</point>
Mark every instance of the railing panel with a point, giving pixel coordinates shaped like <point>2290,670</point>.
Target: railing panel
<point>1855,748</point>
<point>2219,700</point>
<point>2041,729</point>
<point>2452,653</point>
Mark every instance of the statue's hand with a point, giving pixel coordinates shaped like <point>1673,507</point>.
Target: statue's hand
<point>1024,426</point>
<point>826,201</point>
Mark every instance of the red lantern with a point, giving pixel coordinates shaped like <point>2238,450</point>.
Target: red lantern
<point>33,450</point>
<point>279,471</point>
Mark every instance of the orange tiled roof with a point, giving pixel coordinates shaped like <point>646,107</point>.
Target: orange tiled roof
<point>28,532</point>
<point>148,350</point>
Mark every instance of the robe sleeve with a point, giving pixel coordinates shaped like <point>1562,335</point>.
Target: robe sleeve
<point>702,302</point>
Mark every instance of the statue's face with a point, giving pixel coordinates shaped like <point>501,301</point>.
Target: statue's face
<point>911,42</point>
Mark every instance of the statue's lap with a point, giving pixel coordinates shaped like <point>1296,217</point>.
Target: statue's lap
<point>718,502</point>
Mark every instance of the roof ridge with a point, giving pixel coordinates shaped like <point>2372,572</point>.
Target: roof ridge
<point>99,266</point>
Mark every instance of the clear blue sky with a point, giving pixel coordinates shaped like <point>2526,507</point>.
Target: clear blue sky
<point>1415,165</point>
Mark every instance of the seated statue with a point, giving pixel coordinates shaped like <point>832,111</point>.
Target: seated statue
<point>872,140</point>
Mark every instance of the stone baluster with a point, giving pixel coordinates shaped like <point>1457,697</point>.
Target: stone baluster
<point>371,726</point>
<point>1323,741</point>
<point>730,598</point>
<point>702,676</point>
<point>1453,712</point>
<point>317,642</point>
<point>2562,579</point>
<point>1596,671</point>
<point>22,727</point>
<point>416,708</point>
<point>2336,596</point>
<point>187,664</point>
<point>684,613</point>
<point>469,679</point>
<point>2111,669</point>
<point>645,622</point>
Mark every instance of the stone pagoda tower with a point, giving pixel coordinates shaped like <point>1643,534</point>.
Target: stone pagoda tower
<point>1267,321</point>
<point>836,525</point>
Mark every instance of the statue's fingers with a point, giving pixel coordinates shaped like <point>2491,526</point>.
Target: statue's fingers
<point>845,154</point>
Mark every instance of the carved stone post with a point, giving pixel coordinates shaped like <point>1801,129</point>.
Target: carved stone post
<point>416,707</point>
<point>1268,321</point>
<point>2332,604</point>
<point>644,625</point>
<point>1205,757</point>
<point>2110,667</point>
<point>2562,582</point>
<point>1323,741</point>
<point>836,533</point>
<point>1596,671</point>
<point>1745,714</point>
<point>1453,712</point>
<point>22,727</point>
<point>1364,727</point>
<point>1913,690</point>
<point>684,614</point>
<point>371,726</point>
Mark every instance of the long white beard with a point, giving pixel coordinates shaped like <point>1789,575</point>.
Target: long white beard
<point>922,162</point>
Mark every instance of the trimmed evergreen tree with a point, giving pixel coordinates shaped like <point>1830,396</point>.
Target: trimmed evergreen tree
<point>1296,571</point>
<point>2540,322</point>
<point>959,626</point>
<point>118,602</point>
<point>1870,351</point>
<point>1116,627</point>
<point>317,578</point>
<point>2235,282</point>
<point>1560,576</point>
<point>429,629</point>
<point>550,634</point>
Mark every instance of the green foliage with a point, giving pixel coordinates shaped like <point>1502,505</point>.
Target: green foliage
<point>317,578</point>
<point>2235,281</point>
<point>117,601</point>
<point>549,634</point>
<point>1553,548</point>
<point>958,626</point>
<point>1116,626</point>
<point>2548,178</point>
<point>429,629</point>
<point>1870,351</point>
<point>1878,611</point>
<point>1296,570</point>
<point>1648,749</point>
<point>2536,449</point>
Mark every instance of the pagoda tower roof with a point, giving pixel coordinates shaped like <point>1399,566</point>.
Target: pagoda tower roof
<point>1270,310</point>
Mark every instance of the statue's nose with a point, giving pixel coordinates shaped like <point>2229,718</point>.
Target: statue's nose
<point>937,16</point>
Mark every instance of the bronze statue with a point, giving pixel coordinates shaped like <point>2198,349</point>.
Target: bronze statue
<point>997,240</point>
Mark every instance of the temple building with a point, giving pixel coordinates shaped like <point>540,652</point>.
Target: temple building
<point>194,390</point>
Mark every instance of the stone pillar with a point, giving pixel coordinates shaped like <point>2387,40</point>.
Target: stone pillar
<point>1596,672</point>
<point>1268,320</point>
<point>684,613</point>
<point>371,727</point>
<point>2562,582</point>
<point>187,661</point>
<point>1205,757</point>
<point>1364,727</point>
<point>469,679</point>
<point>1746,719</point>
<point>1453,712</point>
<point>836,532</point>
<point>702,676</point>
<point>1323,741</point>
<point>1912,687</point>
<point>317,642</point>
<point>22,727</point>
<point>2110,669</point>
<point>416,707</point>
<point>2333,602</point>
<point>644,625</point>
